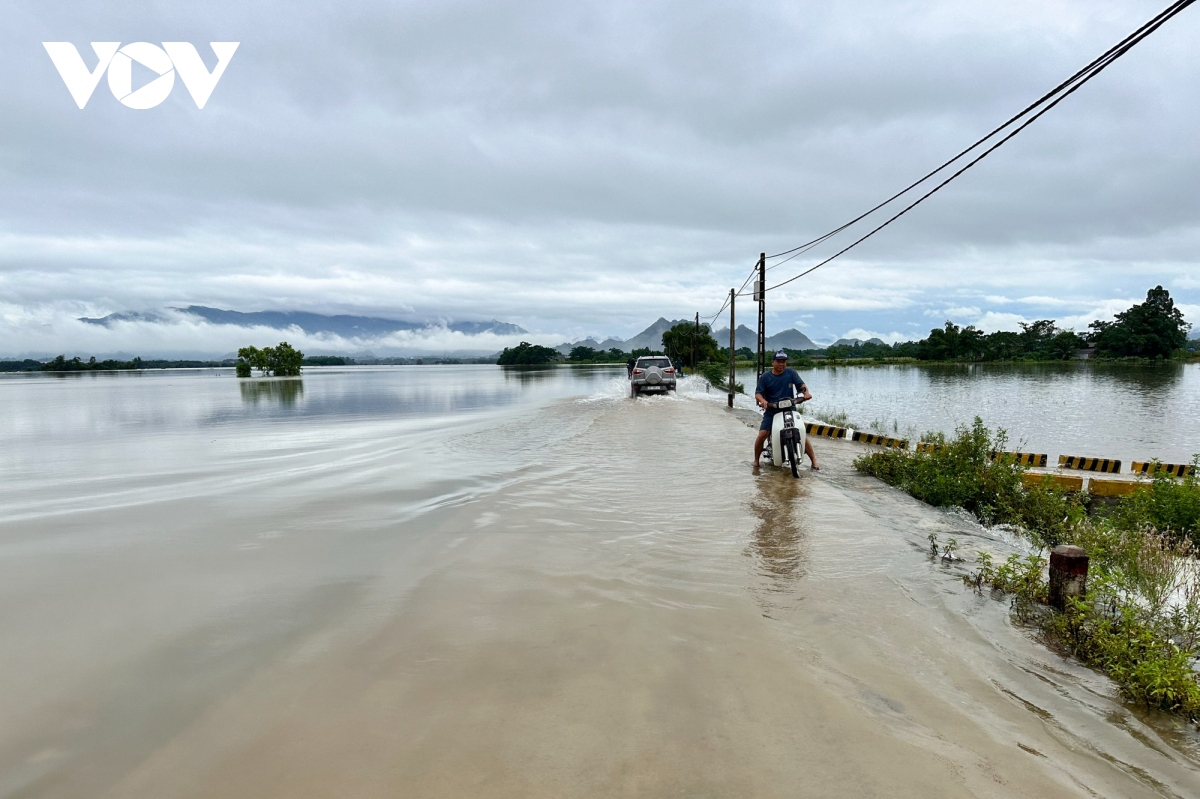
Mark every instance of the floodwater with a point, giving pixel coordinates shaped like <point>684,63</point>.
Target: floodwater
<point>466,581</point>
<point>1078,408</point>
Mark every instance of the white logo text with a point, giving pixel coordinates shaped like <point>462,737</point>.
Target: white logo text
<point>165,61</point>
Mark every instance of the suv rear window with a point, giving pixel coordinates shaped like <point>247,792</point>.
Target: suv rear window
<point>661,363</point>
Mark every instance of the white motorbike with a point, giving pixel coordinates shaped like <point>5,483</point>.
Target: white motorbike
<point>786,443</point>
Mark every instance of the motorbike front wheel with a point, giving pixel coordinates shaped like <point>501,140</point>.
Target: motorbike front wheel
<point>792,449</point>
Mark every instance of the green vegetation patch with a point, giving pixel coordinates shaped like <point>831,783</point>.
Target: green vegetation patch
<point>718,375</point>
<point>1140,619</point>
<point>282,360</point>
<point>527,354</point>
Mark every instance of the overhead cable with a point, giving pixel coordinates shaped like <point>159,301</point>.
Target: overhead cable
<point>1144,30</point>
<point>1075,83</point>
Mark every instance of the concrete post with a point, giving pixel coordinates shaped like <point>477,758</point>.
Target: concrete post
<point>732,344</point>
<point>1068,574</point>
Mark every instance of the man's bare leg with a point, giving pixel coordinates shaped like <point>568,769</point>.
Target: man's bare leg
<point>812,456</point>
<point>758,444</point>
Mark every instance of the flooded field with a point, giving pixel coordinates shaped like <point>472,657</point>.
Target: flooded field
<point>1090,409</point>
<point>461,581</point>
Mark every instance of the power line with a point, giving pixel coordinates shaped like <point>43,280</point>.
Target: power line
<point>1081,78</point>
<point>1144,30</point>
<point>738,293</point>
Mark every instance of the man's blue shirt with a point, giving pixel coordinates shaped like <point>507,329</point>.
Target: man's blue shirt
<point>776,387</point>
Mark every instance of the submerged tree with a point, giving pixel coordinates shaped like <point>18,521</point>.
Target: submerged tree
<point>282,360</point>
<point>526,354</point>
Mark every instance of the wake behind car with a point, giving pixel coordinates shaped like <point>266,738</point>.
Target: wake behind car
<point>651,373</point>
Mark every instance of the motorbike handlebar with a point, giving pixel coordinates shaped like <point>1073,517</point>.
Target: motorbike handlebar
<point>797,401</point>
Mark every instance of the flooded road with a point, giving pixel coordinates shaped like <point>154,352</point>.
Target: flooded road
<point>461,582</point>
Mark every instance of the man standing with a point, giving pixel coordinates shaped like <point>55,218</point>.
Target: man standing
<point>772,387</point>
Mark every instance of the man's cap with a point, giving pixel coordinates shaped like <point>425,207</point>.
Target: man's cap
<point>780,355</point>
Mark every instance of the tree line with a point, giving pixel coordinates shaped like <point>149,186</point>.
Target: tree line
<point>61,363</point>
<point>685,343</point>
<point>1153,329</point>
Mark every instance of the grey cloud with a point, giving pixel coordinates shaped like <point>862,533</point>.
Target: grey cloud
<point>596,165</point>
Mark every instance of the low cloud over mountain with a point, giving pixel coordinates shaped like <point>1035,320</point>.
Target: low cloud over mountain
<point>200,332</point>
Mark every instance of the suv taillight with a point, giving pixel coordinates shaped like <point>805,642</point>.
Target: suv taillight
<point>670,370</point>
<point>639,371</point>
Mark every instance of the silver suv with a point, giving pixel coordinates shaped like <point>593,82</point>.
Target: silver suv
<point>651,373</point>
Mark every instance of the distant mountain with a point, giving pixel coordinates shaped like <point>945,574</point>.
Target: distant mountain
<point>745,337</point>
<point>650,338</point>
<point>791,339</point>
<point>566,347</point>
<point>854,342</point>
<point>342,325</point>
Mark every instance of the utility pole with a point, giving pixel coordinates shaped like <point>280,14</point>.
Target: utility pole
<point>760,294</point>
<point>695,336</point>
<point>732,346</point>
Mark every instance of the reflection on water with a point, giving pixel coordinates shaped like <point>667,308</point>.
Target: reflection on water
<point>530,374</point>
<point>284,393</point>
<point>584,593</point>
<point>1074,408</point>
<point>777,545</point>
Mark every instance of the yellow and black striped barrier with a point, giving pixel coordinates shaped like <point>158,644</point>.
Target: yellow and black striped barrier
<point>1024,458</point>
<point>1063,482</point>
<point>925,446</point>
<point>882,441</point>
<point>1172,469</point>
<point>826,430</point>
<point>1089,464</point>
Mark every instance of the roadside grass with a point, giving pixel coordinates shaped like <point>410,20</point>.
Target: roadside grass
<point>837,418</point>
<point>1140,619</point>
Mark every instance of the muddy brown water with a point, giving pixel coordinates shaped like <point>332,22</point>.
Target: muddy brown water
<point>407,583</point>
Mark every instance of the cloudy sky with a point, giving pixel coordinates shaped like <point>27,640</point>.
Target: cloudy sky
<point>582,168</point>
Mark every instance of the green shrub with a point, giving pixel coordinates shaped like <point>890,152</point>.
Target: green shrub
<point>1140,619</point>
<point>1169,504</point>
<point>959,472</point>
<point>718,375</point>
<point>1140,656</point>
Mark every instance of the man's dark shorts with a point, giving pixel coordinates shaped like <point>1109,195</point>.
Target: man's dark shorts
<point>766,422</point>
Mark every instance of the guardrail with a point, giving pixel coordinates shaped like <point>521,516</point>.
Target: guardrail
<point>1036,460</point>
<point>826,430</point>
<point>1151,468</point>
<point>880,441</point>
<point>1089,464</point>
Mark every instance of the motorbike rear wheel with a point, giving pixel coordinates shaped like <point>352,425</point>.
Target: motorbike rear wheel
<point>793,455</point>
